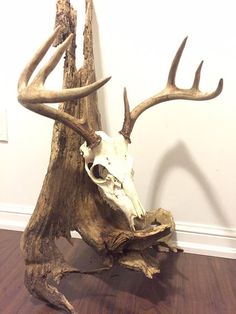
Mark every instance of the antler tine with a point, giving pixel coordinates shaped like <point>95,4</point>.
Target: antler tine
<point>197,77</point>
<point>35,93</point>
<point>34,96</point>
<point>175,63</point>
<point>170,92</point>
<point>201,95</point>
<point>127,119</point>
<point>49,67</point>
<point>33,63</point>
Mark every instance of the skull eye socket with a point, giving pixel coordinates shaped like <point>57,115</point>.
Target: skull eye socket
<point>99,172</point>
<point>90,165</point>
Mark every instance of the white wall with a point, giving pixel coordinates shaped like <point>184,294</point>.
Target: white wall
<point>184,151</point>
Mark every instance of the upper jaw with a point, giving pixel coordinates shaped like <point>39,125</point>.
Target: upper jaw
<point>123,196</point>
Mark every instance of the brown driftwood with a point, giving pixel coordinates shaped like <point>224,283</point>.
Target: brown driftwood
<point>69,200</point>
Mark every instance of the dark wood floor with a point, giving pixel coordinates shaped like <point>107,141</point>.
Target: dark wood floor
<point>188,284</point>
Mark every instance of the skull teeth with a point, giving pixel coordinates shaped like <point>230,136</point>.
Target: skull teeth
<point>107,201</point>
<point>115,207</point>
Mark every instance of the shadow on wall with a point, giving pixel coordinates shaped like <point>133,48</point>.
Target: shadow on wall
<point>179,156</point>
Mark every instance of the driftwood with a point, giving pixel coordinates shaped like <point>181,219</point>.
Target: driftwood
<point>69,200</point>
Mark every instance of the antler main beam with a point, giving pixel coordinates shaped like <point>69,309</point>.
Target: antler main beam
<point>33,96</point>
<point>170,92</point>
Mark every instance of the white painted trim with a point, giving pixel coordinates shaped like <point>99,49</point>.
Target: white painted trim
<point>211,230</point>
<point>13,221</point>
<point>14,216</point>
<point>210,250</point>
<point>16,208</point>
<point>193,238</point>
<point>206,239</point>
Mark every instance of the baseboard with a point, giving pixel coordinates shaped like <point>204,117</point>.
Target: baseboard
<point>193,238</point>
<point>206,239</point>
<point>13,221</point>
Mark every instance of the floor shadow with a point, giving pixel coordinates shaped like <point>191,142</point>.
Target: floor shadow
<point>154,290</point>
<point>179,157</point>
<point>110,285</point>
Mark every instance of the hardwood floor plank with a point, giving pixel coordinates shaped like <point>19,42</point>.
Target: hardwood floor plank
<point>187,284</point>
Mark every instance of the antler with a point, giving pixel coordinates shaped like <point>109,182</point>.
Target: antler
<point>170,92</point>
<point>34,96</point>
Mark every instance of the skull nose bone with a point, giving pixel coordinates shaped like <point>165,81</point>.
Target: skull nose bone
<point>127,187</point>
<point>130,191</point>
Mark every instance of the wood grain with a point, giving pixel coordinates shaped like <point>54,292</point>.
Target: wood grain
<point>187,284</point>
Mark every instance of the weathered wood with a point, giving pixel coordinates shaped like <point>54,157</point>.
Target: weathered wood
<point>56,214</point>
<point>69,200</point>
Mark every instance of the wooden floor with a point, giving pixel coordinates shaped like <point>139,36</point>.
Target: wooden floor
<point>188,284</point>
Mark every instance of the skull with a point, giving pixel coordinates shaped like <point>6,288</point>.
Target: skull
<point>110,167</point>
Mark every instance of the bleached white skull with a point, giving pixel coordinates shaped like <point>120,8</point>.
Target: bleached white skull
<point>111,168</point>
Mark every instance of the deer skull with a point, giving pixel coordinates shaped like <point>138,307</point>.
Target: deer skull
<point>110,167</point>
